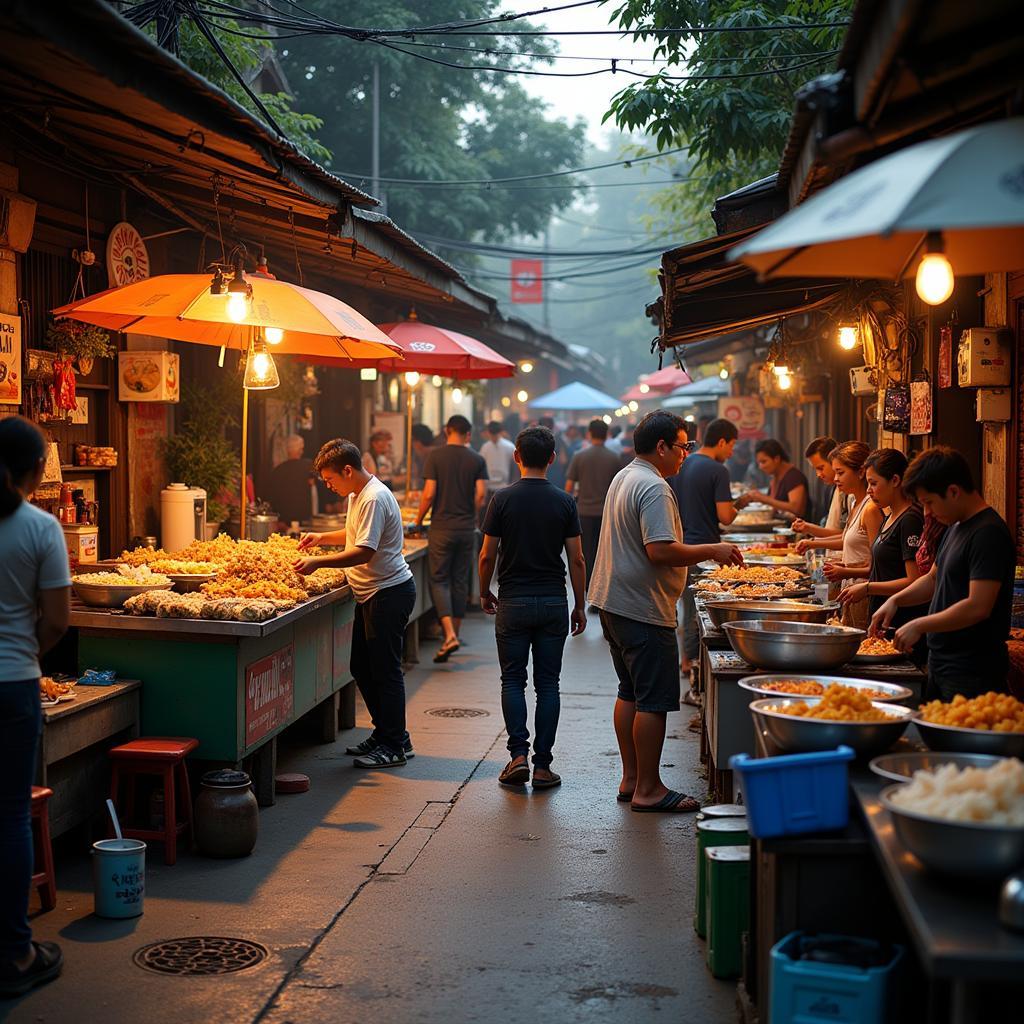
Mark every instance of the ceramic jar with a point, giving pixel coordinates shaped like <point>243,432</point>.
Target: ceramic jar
<point>227,816</point>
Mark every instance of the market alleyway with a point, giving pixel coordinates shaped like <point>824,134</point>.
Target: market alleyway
<point>425,894</point>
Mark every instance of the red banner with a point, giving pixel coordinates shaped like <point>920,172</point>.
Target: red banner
<point>527,281</point>
<point>269,694</point>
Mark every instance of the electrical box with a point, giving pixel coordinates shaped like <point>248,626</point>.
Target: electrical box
<point>983,359</point>
<point>862,380</point>
<point>994,405</point>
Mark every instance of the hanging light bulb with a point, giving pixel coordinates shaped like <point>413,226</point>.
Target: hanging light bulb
<point>436,380</point>
<point>260,369</point>
<point>523,396</point>
<point>644,388</point>
<point>457,395</point>
<point>780,370</point>
<point>724,372</point>
<point>849,336</point>
<point>935,279</point>
<point>618,412</point>
<point>506,402</point>
<point>274,335</point>
<point>785,381</point>
<point>239,294</point>
<point>633,406</point>
<point>606,418</point>
<point>526,366</point>
<point>412,378</point>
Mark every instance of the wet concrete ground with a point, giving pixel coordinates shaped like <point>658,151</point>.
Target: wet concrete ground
<point>426,893</point>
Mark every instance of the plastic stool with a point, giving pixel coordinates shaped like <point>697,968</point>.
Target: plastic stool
<point>164,757</point>
<point>728,909</point>
<point>713,832</point>
<point>45,879</point>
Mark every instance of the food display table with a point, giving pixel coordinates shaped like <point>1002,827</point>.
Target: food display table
<point>415,552</point>
<point>232,685</point>
<point>73,748</point>
<point>727,722</point>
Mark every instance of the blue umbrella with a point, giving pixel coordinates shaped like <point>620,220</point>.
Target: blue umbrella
<point>575,397</point>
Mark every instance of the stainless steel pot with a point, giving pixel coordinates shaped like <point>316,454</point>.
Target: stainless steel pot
<point>260,527</point>
<point>971,741</point>
<point>783,610</point>
<point>793,646</point>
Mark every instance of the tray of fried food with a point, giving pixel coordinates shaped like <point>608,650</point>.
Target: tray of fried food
<point>258,590</point>
<point>876,650</point>
<point>52,691</point>
<point>755,574</point>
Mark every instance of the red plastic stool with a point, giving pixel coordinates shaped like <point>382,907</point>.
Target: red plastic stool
<point>164,757</point>
<point>45,879</point>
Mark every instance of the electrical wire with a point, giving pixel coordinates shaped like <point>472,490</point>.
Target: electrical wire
<point>486,248</point>
<point>366,180</point>
<point>562,276</point>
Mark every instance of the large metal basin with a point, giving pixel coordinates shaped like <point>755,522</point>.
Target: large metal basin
<point>957,847</point>
<point>113,595</point>
<point>971,741</point>
<point>892,691</point>
<point>793,646</point>
<point>901,767</point>
<point>740,610</point>
<point>795,735</point>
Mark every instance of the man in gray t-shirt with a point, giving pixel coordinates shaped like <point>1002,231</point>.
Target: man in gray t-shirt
<point>638,577</point>
<point>590,475</point>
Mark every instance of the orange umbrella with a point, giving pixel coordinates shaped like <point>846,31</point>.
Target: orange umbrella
<point>182,308</point>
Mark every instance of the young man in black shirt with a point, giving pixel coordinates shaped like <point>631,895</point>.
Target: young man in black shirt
<point>970,586</point>
<point>532,521</point>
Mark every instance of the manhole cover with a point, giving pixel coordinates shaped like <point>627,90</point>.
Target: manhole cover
<point>201,955</point>
<point>458,712</point>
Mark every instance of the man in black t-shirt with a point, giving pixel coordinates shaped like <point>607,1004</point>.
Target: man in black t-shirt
<point>454,488</point>
<point>290,487</point>
<point>531,523</point>
<point>970,586</point>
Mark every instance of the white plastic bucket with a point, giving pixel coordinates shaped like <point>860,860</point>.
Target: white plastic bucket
<point>118,877</point>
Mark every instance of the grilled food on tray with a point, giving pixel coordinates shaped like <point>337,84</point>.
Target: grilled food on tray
<point>755,573</point>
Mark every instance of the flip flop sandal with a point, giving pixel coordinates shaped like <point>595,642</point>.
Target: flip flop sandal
<point>517,776</point>
<point>555,780</point>
<point>671,803</point>
<point>445,653</point>
<point>623,798</point>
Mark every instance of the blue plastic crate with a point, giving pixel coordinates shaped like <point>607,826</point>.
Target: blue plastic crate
<point>794,793</point>
<point>806,992</point>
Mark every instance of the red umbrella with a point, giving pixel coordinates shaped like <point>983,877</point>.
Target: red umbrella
<point>666,379</point>
<point>437,350</point>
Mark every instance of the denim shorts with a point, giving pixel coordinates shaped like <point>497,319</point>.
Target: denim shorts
<point>646,660</point>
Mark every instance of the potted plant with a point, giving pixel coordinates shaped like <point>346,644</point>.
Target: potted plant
<point>199,454</point>
<point>83,342</point>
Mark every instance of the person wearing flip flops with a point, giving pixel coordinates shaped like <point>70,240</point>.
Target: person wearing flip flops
<point>385,592</point>
<point>638,579</point>
<point>532,523</point>
<point>35,604</point>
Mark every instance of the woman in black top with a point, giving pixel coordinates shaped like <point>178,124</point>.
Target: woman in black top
<point>788,490</point>
<point>893,553</point>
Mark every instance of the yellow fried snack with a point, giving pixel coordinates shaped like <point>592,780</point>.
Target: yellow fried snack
<point>876,645</point>
<point>755,573</point>
<point>839,704</point>
<point>991,712</point>
<point>180,567</point>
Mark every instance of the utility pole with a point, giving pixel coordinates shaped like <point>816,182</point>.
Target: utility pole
<point>375,140</point>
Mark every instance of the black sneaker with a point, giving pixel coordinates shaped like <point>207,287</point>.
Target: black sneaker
<point>380,758</point>
<point>368,745</point>
<point>48,963</point>
<point>409,752</point>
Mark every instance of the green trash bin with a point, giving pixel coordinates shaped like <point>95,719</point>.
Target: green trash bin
<point>714,832</point>
<point>728,909</point>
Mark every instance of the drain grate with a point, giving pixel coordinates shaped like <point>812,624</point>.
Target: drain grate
<point>201,955</point>
<point>458,712</point>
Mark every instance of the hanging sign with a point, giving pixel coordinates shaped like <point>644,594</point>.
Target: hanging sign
<point>746,411</point>
<point>945,374</point>
<point>10,359</point>
<point>127,256</point>
<point>527,281</point>
<point>920,407</point>
<point>269,694</point>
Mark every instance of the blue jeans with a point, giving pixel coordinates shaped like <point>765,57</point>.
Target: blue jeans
<point>21,721</point>
<point>540,624</point>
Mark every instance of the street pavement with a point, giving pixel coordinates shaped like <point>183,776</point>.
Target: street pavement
<point>426,893</point>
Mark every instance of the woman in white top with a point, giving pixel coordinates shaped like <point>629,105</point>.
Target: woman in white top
<point>34,610</point>
<point>862,526</point>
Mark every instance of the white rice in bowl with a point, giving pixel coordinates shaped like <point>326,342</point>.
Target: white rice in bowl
<point>987,796</point>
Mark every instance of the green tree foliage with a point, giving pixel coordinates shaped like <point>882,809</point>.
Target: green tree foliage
<point>735,128</point>
<point>436,122</point>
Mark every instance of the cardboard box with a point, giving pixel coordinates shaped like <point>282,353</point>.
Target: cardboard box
<point>83,545</point>
<point>993,405</point>
<point>148,377</point>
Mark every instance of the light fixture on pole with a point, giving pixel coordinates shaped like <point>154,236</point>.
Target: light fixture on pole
<point>935,278</point>
<point>412,378</point>
<point>506,402</point>
<point>849,335</point>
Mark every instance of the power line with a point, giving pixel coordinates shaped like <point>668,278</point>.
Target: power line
<point>485,248</point>
<point>483,275</point>
<point>639,30</point>
<point>365,180</point>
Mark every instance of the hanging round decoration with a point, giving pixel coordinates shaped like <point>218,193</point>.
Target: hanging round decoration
<point>127,256</point>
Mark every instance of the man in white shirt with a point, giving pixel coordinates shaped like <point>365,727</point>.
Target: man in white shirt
<point>499,454</point>
<point>385,593</point>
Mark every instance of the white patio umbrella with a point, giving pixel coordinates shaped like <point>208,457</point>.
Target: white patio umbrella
<point>575,397</point>
<point>962,194</point>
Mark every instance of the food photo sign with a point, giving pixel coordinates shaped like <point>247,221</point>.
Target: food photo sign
<point>10,359</point>
<point>148,377</point>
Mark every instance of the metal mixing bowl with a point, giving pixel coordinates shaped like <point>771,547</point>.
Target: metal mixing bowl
<point>957,847</point>
<point>740,610</point>
<point>892,691</point>
<point>795,735</point>
<point>793,646</point>
<point>113,596</point>
<point>971,741</point>
<point>901,767</point>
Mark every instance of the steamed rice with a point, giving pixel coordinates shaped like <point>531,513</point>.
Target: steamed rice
<point>991,796</point>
